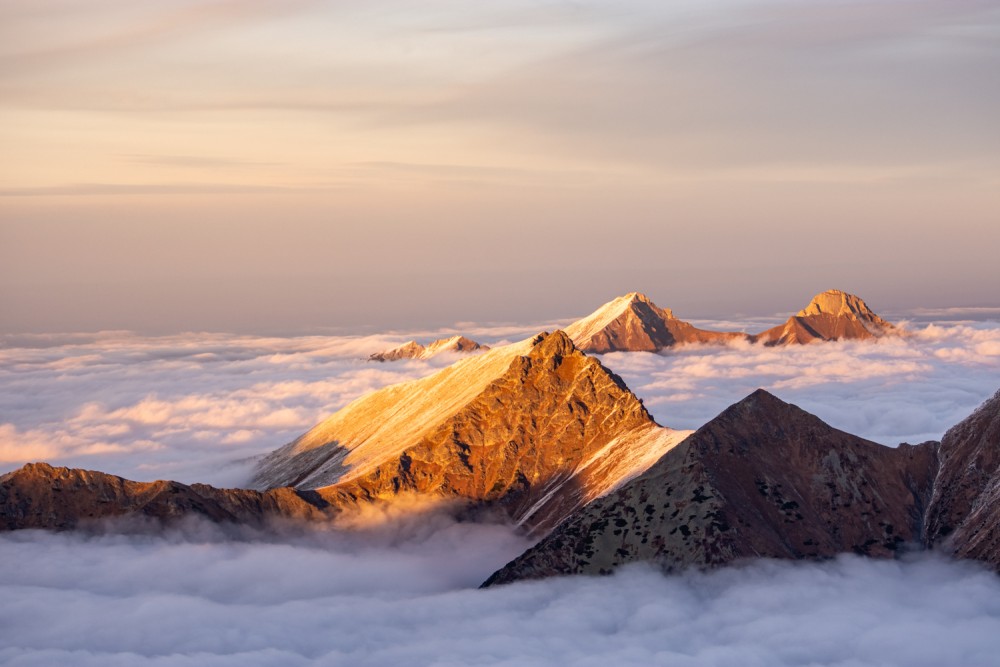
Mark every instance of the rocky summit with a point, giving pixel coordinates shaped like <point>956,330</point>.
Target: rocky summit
<point>633,323</point>
<point>414,350</point>
<point>536,429</point>
<point>831,315</point>
<point>533,430</point>
<point>763,479</point>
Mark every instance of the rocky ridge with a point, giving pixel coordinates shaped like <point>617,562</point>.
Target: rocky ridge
<point>964,513</point>
<point>831,315</point>
<point>536,429</point>
<point>634,323</point>
<point>763,479</point>
<point>38,495</point>
<point>414,350</point>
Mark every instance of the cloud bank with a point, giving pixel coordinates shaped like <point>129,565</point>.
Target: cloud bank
<point>198,407</point>
<point>333,600</point>
<point>181,406</point>
<point>404,591</point>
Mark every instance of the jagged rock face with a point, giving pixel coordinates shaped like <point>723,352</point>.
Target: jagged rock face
<point>964,514</point>
<point>536,429</point>
<point>41,496</point>
<point>763,479</point>
<point>633,323</point>
<point>414,350</point>
<point>831,315</point>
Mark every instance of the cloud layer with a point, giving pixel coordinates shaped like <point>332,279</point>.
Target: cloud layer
<point>335,600</point>
<point>403,591</point>
<point>196,407</point>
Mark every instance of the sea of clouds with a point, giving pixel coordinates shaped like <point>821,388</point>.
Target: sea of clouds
<point>194,601</point>
<point>199,407</point>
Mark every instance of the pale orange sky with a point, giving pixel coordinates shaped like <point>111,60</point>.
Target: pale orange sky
<point>250,165</point>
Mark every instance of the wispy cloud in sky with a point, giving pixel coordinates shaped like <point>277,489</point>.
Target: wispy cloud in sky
<point>492,148</point>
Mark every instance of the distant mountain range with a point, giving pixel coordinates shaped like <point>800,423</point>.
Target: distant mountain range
<point>414,350</point>
<point>544,435</point>
<point>633,323</point>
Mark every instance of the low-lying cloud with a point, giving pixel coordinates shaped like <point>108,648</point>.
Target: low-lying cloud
<point>195,407</point>
<point>199,407</point>
<point>898,389</point>
<point>336,599</point>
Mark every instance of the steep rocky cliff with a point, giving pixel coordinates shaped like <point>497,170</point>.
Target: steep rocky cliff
<point>964,513</point>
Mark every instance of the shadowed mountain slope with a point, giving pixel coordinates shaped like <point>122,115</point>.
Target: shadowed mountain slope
<point>964,514</point>
<point>763,479</point>
<point>38,495</point>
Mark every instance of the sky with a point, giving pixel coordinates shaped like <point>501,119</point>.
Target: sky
<point>315,166</point>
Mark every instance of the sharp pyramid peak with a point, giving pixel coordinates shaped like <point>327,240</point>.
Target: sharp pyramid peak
<point>621,304</point>
<point>548,344</point>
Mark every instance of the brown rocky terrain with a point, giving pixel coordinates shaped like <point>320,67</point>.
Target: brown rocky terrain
<point>533,430</point>
<point>634,323</point>
<point>831,315</point>
<point>536,429</point>
<point>763,479</point>
<point>964,513</point>
<point>41,496</point>
<point>414,350</point>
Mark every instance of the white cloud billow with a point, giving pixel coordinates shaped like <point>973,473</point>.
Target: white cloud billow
<point>196,407</point>
<point>404,592</point>
<point>330,599</point>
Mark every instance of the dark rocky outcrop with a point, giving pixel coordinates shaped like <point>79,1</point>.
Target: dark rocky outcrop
<point>38,495</point>
<point>763,479</point>
<point>964,513</point>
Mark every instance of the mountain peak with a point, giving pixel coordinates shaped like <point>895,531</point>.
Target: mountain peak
<point>837,303</point>
<point>762,479</point>
<point>414,350</point>
<point>548,344</point>
<point>633,323</point>
<point>830,315</point>
<point>534,429</point>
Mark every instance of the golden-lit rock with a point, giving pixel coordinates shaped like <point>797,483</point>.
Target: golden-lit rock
<point>414,350</point>
<point>633,323</point>
<point>535,429</point>
<point>831,315</point>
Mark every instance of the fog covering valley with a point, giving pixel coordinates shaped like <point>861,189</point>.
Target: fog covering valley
<point>403,589</point>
